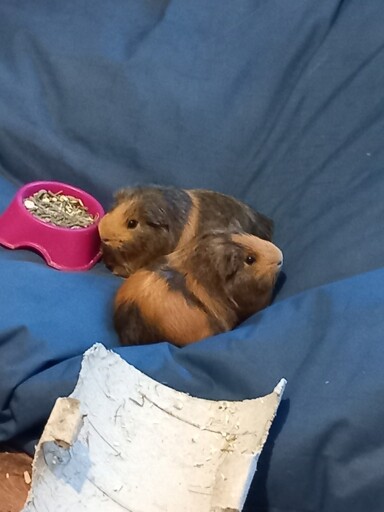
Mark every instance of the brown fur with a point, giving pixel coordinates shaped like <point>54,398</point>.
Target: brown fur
<point>167,219</point>
<point>156,302</point>
<point>202,289</point>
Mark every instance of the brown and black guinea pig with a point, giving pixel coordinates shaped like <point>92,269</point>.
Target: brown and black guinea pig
<point>148,222</point>
<point>207,287</point>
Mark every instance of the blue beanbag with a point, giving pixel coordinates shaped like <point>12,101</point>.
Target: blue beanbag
<point>277,103</point>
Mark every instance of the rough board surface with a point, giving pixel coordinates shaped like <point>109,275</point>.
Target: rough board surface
<point>124,442</point>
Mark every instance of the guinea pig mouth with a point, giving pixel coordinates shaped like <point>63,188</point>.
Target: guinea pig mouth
<point>115,244</point>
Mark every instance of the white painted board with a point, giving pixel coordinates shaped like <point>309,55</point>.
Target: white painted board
<point>124,442</point>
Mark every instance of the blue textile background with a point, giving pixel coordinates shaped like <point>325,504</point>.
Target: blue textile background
<point>278,103</point>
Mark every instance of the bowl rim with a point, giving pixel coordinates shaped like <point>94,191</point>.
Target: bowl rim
<point>34,186</point>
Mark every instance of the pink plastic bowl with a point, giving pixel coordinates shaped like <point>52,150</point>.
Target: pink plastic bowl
<point>62,248</point>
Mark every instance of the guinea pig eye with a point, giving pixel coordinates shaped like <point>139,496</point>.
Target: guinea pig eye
<point>132,224</point>
<point>250,260</point>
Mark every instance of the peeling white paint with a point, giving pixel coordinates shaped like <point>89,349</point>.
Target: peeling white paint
<point>124,442</point>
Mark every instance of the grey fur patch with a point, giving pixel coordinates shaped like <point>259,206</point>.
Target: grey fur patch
<point>219,211</point>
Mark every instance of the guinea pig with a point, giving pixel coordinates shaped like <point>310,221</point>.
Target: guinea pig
<point>207,287</point>
<point>148,222</point>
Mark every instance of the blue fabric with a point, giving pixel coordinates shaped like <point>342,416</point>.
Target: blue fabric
<point>278,103</point>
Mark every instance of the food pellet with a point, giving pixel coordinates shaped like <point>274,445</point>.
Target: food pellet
<point>59,209</point>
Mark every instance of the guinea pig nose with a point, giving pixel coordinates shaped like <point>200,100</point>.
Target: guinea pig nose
<point>280,263</point>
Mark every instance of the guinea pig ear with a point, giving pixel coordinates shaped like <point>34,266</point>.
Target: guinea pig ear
<point>121,195</point>
<point>264,227</point>
<point>156,216</point>
<point>229,260</point>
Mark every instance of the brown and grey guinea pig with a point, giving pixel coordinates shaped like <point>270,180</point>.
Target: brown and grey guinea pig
<point>207,287</point>
<point>148,222</point>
